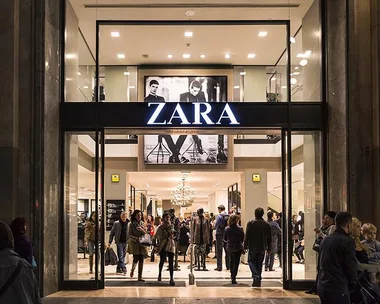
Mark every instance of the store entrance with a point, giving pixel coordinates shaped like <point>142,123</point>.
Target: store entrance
<point>119,171</point>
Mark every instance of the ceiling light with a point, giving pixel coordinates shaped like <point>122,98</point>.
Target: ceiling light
<point>70,56</point>
<point>79,74</point>
<point>263,34</point>
<point>296,68</point>
<point>236,87</point>
<point>243,73</point>
<point>292,40</point>
<point>227,56</point>
<point>170,56</point>
<point>108,137</point>
<point>251,55</point>
<point>293,81</point>
<point>283,87</point>
<point>186,56</point>
<point>120,56</point>
<point>301,55</point>
<point>132,87</point>
<point>296,73</point>
<point>203,56</point>
<point>190,13</point>
<point>303,62</point>
<point>188,34</point>
<point>307,53</point>
<point>127,73</point>
<point>85,87</point>
<point>115,34</point>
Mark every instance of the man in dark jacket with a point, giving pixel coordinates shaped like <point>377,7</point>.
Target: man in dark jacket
<point>337,265</point>
<point>120,233</point>
<point>258,239</point>
<point>220,225</point>
<point>276,235</point>
<point>24,286</point>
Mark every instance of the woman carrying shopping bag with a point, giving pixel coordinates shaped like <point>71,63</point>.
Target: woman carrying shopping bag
<point>166,246</point>
<point>138,241</point>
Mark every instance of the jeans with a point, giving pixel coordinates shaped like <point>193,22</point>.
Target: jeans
<point>269,260</point>
<point>219,252</point>
<point>255,262</point>
<point>234,264</point>
<point>121,252</point>
<point>163,255</point>
<point>332,297</point>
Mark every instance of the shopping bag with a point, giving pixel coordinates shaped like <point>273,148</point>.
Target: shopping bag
<point>145,240</point>
<point>110,257</point>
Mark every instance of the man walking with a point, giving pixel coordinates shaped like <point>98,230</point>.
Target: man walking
<point>220,226</point>
<point>120,232</point>
<point>337,265</point>
<point>276,235</point>
<point>258,239</point>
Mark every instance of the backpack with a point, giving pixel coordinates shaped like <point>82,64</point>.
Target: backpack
<point>224,224</point>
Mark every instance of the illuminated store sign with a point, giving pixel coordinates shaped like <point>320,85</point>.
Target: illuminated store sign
<point>202,114</point>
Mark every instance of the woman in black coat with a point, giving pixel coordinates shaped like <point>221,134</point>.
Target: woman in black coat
<point>23,246</point>
<point>234,238</point>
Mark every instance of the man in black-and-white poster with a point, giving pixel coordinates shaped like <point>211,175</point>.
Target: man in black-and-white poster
<point>183,149</point>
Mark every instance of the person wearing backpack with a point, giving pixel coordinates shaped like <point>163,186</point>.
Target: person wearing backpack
<point>17,281</point>
<point>220,225</point>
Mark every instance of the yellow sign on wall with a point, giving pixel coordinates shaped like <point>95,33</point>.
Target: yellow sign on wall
<point>256,177</point>
<point>115,178</point>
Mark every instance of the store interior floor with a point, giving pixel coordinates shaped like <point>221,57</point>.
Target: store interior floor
<point>150,273</point>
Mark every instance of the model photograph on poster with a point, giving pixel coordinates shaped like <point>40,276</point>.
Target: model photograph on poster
<point>185,149</point>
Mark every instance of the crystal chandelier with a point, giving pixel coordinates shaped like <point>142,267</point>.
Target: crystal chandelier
<point>183,195</point>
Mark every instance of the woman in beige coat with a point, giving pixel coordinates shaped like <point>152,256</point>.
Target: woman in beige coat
<point>136,229</point>
<point>166,245</point>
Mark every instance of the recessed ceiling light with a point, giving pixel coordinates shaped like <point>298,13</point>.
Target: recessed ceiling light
<point>115,34</point>
<point>170,56</point>
<point>236,87</point>
<point>227,56</point>
<point>283,87</point>
<point>188,34</point>
<point>296,73</point>
<point>108,137</point>
<point>186,56</point>
<point>307,53</point>
<point>303,62</point>
<point>120,56</point>
<point>203,56</point>
<point>300,55</point>
<point>263,34</point>
<point>85,87</point>
<point>190,13</point>
<point>127,73</point>
<point>79,74</point>
<point>70,56</point>
<point>296,68</point>
<point>293,81</point>
<point>292,40</point>
<point>251,55</point>
<point>132,87</point>
<point>243,73</point>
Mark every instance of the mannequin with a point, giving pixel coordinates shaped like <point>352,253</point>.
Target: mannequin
<point>176,224</point>
<point>200,235</point>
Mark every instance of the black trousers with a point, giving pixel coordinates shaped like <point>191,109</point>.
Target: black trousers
<point>234,264</point>
<point>163,255</point>
<point>332,297</point>
<point>138,258</point>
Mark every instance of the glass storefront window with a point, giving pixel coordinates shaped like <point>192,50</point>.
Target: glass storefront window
<point>307,202</point>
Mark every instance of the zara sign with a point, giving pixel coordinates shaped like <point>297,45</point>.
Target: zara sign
<point>200,113</point>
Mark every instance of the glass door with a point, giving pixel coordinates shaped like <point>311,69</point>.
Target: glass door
<point>82,229</point>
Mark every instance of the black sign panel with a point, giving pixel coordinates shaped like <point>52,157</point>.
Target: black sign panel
<point>113,210</point>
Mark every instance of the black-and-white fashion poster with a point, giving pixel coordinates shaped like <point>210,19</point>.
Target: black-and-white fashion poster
<point>185,149</point>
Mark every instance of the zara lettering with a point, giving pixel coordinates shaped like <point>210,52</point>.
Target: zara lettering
<point>199,113</point>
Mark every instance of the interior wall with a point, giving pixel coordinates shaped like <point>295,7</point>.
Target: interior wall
<point>255,83</point>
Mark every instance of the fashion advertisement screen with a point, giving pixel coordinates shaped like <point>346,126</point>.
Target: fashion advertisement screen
<point>185,149</point>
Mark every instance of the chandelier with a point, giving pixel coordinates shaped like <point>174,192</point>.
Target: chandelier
<point>183,195</point>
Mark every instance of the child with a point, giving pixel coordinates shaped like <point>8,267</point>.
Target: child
<point>369,232</point>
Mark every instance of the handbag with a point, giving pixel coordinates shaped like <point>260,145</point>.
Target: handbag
<point>110,257</point>
<point>145,240</point>
<point>317,243</point>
